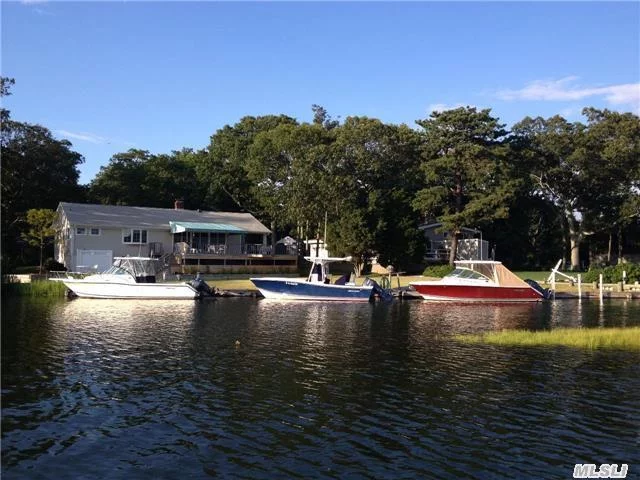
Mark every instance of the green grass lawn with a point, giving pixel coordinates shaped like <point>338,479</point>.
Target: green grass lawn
<point>586,338</point>
<point>540,277</point>
<point>245,283</point>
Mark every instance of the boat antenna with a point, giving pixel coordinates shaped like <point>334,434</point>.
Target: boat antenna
<point>325,231</point>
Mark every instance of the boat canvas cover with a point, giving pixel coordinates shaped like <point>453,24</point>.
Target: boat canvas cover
<point>500,274</point>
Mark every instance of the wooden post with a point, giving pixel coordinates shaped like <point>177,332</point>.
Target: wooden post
<point>601,289</point>
<point>579,287</point>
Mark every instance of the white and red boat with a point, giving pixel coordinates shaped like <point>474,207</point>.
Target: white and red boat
<point>480,281</point>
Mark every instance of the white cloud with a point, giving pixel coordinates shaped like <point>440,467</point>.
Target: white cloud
<point>566,89</point>
<point>441,107</point>
<point>84,136</point>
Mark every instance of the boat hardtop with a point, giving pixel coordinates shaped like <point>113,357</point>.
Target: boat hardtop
<point>140,269</point>
<point>320,268</point>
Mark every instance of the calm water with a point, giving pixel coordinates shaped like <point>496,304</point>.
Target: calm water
<point>126,389</point>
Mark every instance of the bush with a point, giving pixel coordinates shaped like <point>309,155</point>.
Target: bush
<point>613,274</point>
<point>50,265</point>
<point>438,270</point>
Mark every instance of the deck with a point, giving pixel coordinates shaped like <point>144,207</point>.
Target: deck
<point>250,258</point>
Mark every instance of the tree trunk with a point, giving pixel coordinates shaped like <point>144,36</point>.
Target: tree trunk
<point>575,238</point>
<point>454,248</point>
<point>620,245</point>
<point>610,248</point>
<point>41,249</point>
<point>273,237</point>
<point>454,239</point>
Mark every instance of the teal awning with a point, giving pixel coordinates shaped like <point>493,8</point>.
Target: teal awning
<point>179,227</point>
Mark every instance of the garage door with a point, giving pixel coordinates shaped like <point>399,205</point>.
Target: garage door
<point>91,260</point>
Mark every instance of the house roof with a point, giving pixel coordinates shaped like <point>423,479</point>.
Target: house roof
<point>154,218</point>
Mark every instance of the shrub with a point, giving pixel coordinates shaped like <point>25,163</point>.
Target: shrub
<point>438,270</point>
<point>50,265</point>
<point>613,274</point>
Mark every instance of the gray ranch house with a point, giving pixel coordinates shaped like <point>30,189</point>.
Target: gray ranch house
<point>190,241</point>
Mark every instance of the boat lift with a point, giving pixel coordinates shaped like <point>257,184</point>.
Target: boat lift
<point>552,278</point>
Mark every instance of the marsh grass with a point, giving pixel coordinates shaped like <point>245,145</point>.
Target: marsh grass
<point>586,338</point>
<point>45,288</point>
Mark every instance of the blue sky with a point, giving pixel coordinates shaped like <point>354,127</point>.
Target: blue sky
<point>161,76</point>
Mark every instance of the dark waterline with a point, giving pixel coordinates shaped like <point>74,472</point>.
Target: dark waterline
<point>126,389</point>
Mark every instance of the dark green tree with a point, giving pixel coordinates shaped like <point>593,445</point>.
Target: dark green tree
<point>588,172</point>
<point>612,146</point>
<point>374,179</point>
<point>121,181</point>
<point>280,163</point>
<point>468,178</point>
<point>223,171</point>
<point>139,178</point>
<point>38,171</point>
<point>39,231</point>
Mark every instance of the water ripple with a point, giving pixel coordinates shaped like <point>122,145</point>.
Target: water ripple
<point>161,389</point>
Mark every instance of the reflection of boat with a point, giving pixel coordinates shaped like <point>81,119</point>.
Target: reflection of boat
<point>317,286</point>
<point>132,277</point>
<point>480,281</point>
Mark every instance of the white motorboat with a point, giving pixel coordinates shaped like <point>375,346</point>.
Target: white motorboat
<point>133,277</point>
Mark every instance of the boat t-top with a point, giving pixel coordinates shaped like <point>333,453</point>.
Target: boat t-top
<point>480,281</point>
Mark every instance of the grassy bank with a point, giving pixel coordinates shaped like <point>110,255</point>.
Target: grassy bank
<point>587,338</point>
<point>34,289</point>
<point>245,284</point>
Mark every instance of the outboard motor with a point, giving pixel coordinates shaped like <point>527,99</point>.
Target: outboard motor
<point>545,292</point>
<point>201,287</point>
<point>382,293</point>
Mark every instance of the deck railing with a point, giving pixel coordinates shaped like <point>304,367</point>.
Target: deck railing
<point>183,249</point>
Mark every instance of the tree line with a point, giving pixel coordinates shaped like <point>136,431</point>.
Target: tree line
<point>543,190</point>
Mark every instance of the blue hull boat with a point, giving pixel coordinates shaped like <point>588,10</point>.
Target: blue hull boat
<point>291,289</point>
<point>317,286</point>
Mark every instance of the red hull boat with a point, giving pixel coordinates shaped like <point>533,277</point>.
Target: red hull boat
<point>480,281</point>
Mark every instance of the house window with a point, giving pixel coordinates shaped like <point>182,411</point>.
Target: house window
<point>81,231</point>
<point>94,231</point>
<point>134,235</point>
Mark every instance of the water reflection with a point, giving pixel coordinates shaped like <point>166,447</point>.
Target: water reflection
<point>162,389</point>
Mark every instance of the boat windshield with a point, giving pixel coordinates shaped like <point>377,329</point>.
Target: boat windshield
<point>116,271</point>
<point>466,273</point>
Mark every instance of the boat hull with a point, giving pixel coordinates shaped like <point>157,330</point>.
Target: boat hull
<point>88,289</point>
<point>475,293</point>
<point>290,289</point>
